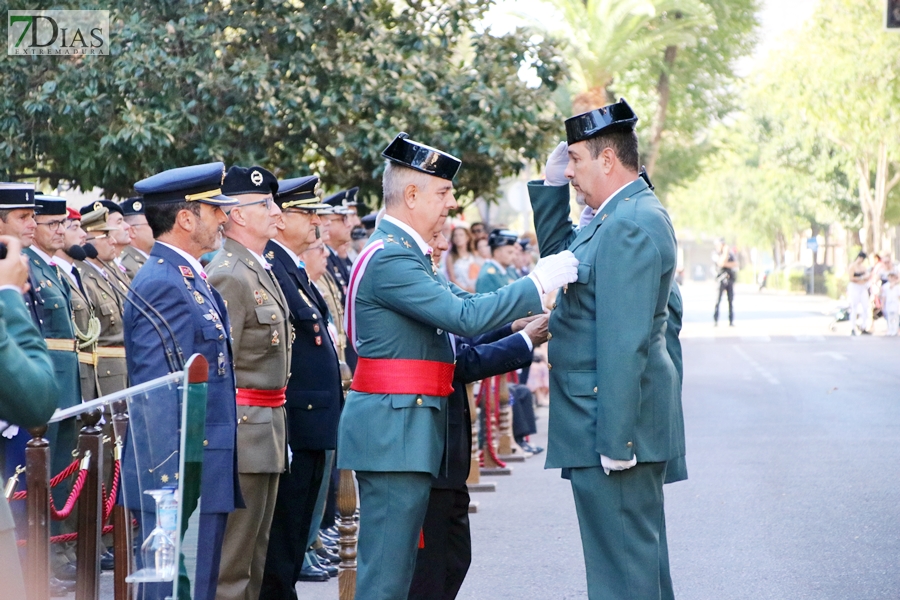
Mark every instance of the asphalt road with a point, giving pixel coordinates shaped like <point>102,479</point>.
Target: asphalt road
<point>793,437</point>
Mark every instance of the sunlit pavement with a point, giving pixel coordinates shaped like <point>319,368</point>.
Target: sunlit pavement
<point>793,435</point>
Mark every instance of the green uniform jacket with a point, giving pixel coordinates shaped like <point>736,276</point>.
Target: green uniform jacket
<point>112,372</point>
<point>132,260</point>
<point>404,311</point>
<point>57,325</point>
<point>29,391</point>
<point>492,277</point>
<point>261,338</point>
<point>676,470</point>
<point>612,383</point>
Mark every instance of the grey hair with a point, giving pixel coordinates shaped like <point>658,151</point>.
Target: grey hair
<point>395,180</point>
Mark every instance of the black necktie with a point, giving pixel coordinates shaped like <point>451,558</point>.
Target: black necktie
<point>77,276</point>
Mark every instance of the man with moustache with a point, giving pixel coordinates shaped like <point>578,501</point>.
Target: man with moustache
<point>120,235</point>
<point>261,335</point>
<point>98,279</point>
<point>134,255</point>
<point>313,396</point>
<point>615,419</point>
<point>184,210</point>
<point>392,429</point>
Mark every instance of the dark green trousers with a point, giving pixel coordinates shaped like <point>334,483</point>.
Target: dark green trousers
<point>622,523</point>
<point>391,513</point>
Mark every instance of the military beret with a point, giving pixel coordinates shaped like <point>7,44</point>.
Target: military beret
<point>72,214</point>
<point>132,206</point>
<point>96,220</point>
<point>299,192</point>
<point>502,237</point>
<point>49,205</point>
<point>107,204</point>
<point>404,151</point>
<point>249,180</point>
<point>16,195</point>
<point>615,117</point>
<point>197,183</point>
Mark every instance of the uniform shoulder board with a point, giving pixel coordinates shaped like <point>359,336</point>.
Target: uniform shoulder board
<point>491,270</point>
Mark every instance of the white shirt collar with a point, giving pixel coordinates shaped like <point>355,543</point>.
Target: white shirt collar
<point>290,253</point>
<point>498,265</point>
<point>44,256</point>
<point>423,246</point>
<point>611,196</point>
<point>65,265</point>
<point>100,270</point>
<point>142,253</point>
<point>193,262</point>
<point>265,264</point>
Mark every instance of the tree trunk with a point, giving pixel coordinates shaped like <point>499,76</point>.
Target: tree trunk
<point>663,91</point>
<point>591,99</point>
<point>865,202</point>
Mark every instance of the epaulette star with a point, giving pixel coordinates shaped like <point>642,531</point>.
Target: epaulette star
<point>407,244</point>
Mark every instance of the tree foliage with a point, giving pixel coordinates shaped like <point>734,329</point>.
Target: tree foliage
<point>298,87</point>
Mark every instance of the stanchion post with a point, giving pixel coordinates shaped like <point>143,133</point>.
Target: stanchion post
<point>122,534</point>
<point>90,510</point>
<point>347,527</point>
<point>504,441</point>
<point>37,474</point>
<point>474,464</point>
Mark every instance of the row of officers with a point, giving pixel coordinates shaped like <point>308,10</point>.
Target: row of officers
<point>121,296</point>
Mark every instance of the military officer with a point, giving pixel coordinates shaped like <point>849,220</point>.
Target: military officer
<point>499,270</point>
<point>392,429</point>
<point>29,391</point>
<point>184,210</point>
<point>86,323</point>
<point>120,235</point>
<point>614,419</point>
<point>135,254</point>
<point>106,293</point>
<point>261,335</point>
<point>314,393</point>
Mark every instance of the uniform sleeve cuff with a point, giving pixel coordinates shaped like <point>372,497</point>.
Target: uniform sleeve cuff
<point>527,340</point>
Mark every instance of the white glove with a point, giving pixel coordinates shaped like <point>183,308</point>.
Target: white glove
<point>11,432</point>
<point>609,464</point>
<point>555,170</point>
<point>555,271</point>
<point>587,215</point>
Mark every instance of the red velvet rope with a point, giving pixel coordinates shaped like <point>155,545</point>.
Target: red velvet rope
<point>110,501</point>
<point>62,476</point>
<point>66,537</point>
<point>73,496</point>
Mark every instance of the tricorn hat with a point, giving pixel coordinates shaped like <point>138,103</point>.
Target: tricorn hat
<point>615,117</point>
<point>404,151</point>
<point>502,237</point>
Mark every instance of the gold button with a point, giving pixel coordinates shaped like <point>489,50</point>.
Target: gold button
<point>554,305</point>
<point>273,317</point>
<point>206,442</point>
<point>549,366</point>
<point>529,313</point>
<point>549,336</point>
<point>629,444</point>
<point>56,306</point>
<point>244,417</point>
<point>419,401</point>
<point>109,373</point>
<point>627,199</point>
<point>595,389</point>
<point>309,407</point>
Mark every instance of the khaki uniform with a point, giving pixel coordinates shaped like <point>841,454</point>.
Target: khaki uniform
<point>261,335</point>
<point>331,292</point>
<point>111,369</point>
<point>85,325</point>
<point>132,259</point>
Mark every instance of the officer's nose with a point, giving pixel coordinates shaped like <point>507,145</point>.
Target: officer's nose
<point>570,170</point>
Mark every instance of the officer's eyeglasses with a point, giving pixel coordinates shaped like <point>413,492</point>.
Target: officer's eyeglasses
<point>298,211</point>
<point>268,202</point>
<point>54,225</point>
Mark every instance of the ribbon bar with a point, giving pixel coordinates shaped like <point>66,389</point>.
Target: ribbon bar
<point>403,376</point>
<point>267,398</point>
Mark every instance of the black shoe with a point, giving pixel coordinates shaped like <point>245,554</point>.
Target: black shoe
<point>327,556</point>
<point>533,449</point>
<point>312,574</point>
<point>107,561</point>
<point>65,572</point>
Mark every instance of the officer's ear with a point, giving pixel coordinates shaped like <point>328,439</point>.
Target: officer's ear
<point>411,195</point>
<point>186,220</point>
<point>607,159</point>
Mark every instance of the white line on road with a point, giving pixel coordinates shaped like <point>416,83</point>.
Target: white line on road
<point>757,367</point>
<point>833,355</point>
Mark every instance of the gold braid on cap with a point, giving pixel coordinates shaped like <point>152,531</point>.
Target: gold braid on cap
<point>202,195</point>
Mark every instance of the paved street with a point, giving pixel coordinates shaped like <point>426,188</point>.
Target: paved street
<point>793,457</point>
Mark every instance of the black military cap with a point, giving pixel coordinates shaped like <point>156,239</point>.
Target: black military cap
<point>49,205</point>
<point>404,151</point>
<point>197,183</point>
<point>615,117</point>
<point>109,205</point>
<point>133,206</point>
<point>345,198</point>
<point>249,180</point>
<point>299,192</point>
<point>502,237</point>
<point>16,195</point>
<point>336,205</point>
<point>368,221</point>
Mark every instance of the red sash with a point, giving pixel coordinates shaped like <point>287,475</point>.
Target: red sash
<point>267,398</point>
<point>403,376</point>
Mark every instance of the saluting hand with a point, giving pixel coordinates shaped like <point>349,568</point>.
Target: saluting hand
<point>555,170</point>
<point>14,268</point>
